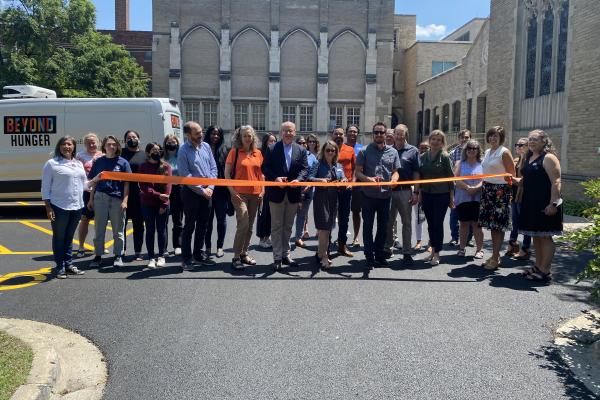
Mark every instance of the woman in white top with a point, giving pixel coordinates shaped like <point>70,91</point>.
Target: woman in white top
<point>496,195</point>
<point>63,183</point>
<point>87,158</point>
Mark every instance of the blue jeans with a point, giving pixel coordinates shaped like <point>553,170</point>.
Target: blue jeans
<point>435,206</point>
<point>514,234</point>
<point>370,207</point>
<point>344,205</point>
<point>302,214</point>
<point>218,209</point>
<point>63,229</point>
<point>155,222</point>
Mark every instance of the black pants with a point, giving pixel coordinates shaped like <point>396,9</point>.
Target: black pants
<point>344,205</point>
<point>196,209</point>
<point>435,206</point>
<point>134,213</point>
<point>176,214</point>
<point>219,201</point>
<point>263,223</point>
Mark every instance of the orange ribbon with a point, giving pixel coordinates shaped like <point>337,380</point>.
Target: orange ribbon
<point>180,180</point>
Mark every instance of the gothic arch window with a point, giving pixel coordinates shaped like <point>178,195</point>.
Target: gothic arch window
<point>546,64</point>
<point>561,68</point>
<point>531,53</point>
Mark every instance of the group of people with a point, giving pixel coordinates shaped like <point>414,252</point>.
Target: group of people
<point>526,197</point>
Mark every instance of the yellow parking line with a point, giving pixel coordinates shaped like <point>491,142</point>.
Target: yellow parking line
<point>49,232</point>
<point>23,203</point>
<point>16,221</point>
<point>111,242</point>
<point>107,225</point>
<point>27,253</point>
<point>4,250</point>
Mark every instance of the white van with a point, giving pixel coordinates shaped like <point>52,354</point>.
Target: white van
<point>30,129</point>
<point>27,92</point>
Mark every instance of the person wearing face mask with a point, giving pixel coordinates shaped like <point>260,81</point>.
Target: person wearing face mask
<point>155,204</point>
<point>220,199</point>
<point>171,146</point>
<point>520,252</point>
<point>133,154</point>
<point>87,158</point>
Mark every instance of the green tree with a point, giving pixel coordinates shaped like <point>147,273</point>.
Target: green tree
<point>53,43</point>
<point>589,237</point>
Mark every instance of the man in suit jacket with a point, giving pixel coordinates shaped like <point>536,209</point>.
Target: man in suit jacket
<point>285,161</point>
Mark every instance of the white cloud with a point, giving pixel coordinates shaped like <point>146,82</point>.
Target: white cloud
<point>431,31</point>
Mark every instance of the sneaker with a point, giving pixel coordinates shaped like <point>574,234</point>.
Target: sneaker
<point>470,244</point>
<point>461,253</point>
<point>397,245</point>
<point>106,251</point>
<point>478,255</point>
<point>177,251</point>
<point>80,253</point>
<point>152,263</point>
<point>73,270</point>
<point>118,263</point>
<point>453,243</point>
<point>187,265</point>
<point>160,262</point>
<point>96,262</point>
<point>220,253</point>
<point>269,242</point>
<point>205,259</point>
<point>138,257</point>
<point>61,274</point>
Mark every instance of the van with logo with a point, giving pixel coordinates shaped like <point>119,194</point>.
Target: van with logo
<point>30,129</point>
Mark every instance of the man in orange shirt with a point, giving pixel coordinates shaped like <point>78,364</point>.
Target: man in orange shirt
<point>347,159</point>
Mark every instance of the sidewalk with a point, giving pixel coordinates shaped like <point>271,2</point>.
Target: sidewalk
<point>65,365</point>
<point>578,341</point>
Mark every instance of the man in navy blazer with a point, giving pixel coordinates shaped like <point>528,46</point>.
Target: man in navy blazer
<point>285,161</point>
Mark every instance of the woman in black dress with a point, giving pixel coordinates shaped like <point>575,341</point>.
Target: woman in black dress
<point>325,198</point>
<point>541,210</point>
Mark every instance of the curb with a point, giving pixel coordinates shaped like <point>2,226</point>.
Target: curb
<point>65,365</point>
<point>578,342</point>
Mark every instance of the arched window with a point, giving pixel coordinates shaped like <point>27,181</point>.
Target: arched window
<point>546,65</point>
<point>561,69</point>
<point>436,118</point>
<point>531,50</point>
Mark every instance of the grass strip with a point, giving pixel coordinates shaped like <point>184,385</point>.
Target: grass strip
<point>15,364</point>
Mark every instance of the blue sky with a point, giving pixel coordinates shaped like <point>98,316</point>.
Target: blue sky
<point>435,18</point>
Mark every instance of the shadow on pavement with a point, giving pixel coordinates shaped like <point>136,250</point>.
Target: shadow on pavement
<point>550,359</point>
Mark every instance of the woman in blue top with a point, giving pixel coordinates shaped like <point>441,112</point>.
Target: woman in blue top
<point>171,145</point>
<point>109,200</point>
<point>467,196</point>
<point>326,198</point>
<point>307,192</point>
<point>63,183</point>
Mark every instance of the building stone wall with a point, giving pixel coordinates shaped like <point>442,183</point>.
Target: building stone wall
<point>313,53</point>
<point>472,27</point>
<point>405,32</point>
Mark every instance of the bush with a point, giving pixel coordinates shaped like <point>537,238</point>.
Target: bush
<point>576,208</point>
<point>588,238</point>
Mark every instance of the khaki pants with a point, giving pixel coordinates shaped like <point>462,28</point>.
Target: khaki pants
<point>245,214</point>
<point>400,204</point>
<point>282,219</point>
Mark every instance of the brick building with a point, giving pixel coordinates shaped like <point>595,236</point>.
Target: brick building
<point>320,63</point>
<point>532,65</point>
<point>138,43</point>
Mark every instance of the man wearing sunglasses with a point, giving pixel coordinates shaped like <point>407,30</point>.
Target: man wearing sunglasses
<point>376,163</point>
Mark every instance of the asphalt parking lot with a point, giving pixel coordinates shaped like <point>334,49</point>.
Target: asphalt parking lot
<point>453,331</point>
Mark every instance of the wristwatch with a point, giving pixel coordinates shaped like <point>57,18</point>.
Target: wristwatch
<point>557,203</point>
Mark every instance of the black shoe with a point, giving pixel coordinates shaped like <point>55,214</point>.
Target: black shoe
<point>453,242</point>
<point>370,264</point>
<point>387,254</point>
<point>289,261</point>
<point>277,265</point>
<point>407,259</point>
<point>381,262</point>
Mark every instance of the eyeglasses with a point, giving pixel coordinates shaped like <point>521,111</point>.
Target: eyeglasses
<point>378,132</point>
<point>312,141</point>
<point>302,143</point>
<point>330,150</point>
<point>520,144</point>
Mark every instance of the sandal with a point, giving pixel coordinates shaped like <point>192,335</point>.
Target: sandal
<point>523,257</point>
<point>246,259</point>
<point>491,264</point>
<point>237,265</point>
<point>535,274</point>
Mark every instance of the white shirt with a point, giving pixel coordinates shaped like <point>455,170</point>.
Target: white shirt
<point>492,164</point>
<point>63,183</point>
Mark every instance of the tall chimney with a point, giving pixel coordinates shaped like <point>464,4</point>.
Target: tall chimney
<point>122,15</point>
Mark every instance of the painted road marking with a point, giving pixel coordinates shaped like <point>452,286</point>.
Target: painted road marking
<point>37,276</point>
<point>30,223</point>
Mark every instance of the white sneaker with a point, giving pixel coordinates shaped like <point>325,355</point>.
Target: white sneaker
<point>152,264</point>
<point>106,251</point>
<point>118,262</point>
<point>220,253</point>
<point>160,262</point>
<point>177,251</point>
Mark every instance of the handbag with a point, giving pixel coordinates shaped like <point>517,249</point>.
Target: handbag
<point>229,209</point>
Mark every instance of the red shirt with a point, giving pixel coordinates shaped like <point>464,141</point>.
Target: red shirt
<point>347,158</point>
